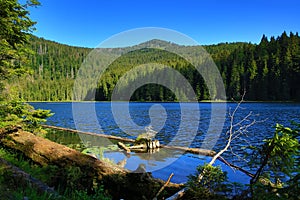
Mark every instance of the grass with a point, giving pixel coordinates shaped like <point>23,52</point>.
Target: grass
<point>10,187</point>
<point>64,181</point>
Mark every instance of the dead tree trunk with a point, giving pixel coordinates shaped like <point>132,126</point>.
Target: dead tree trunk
<point>46,152</point>
<point>118,181</point>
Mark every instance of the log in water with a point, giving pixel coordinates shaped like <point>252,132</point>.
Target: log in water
<point>204,152</point>
<point>89,133</point>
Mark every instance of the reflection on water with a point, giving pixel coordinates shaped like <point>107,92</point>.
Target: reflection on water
<point>161,162</point>
<point>168,162</point>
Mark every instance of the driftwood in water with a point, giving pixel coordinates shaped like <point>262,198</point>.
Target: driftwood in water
<point>123,146</point>
<point>153,144</point>
<point>138,147</point>
<point>116,180</point>
<point>204,152</point>
<point>89,133</point>
<point>144,144</point>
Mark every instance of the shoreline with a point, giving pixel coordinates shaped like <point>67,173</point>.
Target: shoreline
<point>204,101</point>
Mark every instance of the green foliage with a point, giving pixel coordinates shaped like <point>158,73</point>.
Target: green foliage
<point>213,185</point>
<point>14,27</point>
<point>292,190</point>
<point>83,195</point>
<point>30,193</point>
<point>285,150</point>
<point>15,112</point>
<point>98,152</point>
<point>265,192</point>
<point>278,172</point>
<point>13,188</point>
<point>277,175</point>
<point>68,181</point>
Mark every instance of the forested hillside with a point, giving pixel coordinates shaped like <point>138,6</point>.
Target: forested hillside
<point>54,67</point>
<point>267,71</point>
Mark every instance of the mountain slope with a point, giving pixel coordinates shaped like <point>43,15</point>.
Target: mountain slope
<point>268,71</point>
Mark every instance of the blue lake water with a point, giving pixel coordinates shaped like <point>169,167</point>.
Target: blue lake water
<point>203,129</point>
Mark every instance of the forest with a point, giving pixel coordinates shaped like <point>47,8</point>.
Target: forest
<point>268,71</point>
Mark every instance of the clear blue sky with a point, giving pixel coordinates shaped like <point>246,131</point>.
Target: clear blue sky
<point>88,22</point>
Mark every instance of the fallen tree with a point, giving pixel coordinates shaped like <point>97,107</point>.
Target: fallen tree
<point>117,181</point>
<point>200,151</point>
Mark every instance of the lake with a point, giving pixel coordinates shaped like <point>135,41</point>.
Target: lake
<point>167,119</point>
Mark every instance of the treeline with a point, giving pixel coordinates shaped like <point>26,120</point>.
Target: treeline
<point>267,71</point>
<point>152,64</point>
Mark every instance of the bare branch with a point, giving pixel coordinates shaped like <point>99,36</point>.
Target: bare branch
<point>235,131</point>
<point>163,187</point>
